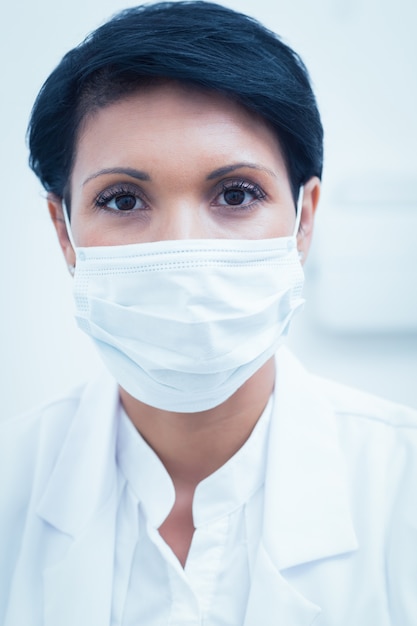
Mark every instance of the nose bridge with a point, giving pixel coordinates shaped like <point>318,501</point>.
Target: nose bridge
<point>182,219</point>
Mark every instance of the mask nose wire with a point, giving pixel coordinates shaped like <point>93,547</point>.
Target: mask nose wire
<point>68,225</point>
<point>299,211</point>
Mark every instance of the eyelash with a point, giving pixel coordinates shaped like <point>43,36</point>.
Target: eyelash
<point>243,185</point>
<point>125,189</point>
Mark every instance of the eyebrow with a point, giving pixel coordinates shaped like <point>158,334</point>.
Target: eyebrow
<point>129,171</point>
<point>227,169</point>
<point>139,175</point>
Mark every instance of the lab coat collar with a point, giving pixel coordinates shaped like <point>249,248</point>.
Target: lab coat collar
<point>307,514</point>
<point>85,474</point>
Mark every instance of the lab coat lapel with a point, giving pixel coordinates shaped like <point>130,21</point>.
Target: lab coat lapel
<point>306,509</point>
<point>78,590</point>
<point>272,601</point>
<point>80,500</point>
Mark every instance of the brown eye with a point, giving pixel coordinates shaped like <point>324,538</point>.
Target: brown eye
<point>121,198</point>
<point>234,196</point>
<point>240,194</point>
<point>125,202</point>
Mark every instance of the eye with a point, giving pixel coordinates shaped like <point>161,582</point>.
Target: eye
<point>239,193</point>
<point>121,199</point>
<point>235,196</point>
<point>126,202</point>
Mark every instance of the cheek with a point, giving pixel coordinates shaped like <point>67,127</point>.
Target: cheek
<point>106,234</point>
<point>284,225</point>
<point>90,231</point>
<point>272,222</point>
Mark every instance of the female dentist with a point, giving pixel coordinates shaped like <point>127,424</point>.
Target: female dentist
<point>203,477</point>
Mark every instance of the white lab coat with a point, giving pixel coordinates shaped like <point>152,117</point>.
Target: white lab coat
<point>339,539</point>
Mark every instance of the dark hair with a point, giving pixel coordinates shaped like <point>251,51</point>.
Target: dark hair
<point>196,42</point>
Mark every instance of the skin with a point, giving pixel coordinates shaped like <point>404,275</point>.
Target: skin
<point>182,141</point>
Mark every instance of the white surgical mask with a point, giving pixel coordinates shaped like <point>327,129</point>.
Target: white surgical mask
<point>181,325</point>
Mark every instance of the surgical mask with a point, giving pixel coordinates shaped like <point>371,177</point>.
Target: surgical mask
<point>181,325</point>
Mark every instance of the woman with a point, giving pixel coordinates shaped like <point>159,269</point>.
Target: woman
<point>205,477</point>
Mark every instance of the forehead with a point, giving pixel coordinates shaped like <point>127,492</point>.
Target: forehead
<point>171,120</point>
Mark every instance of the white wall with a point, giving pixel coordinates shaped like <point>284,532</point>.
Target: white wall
<point>362,58</point>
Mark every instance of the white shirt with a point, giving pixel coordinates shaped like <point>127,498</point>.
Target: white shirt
<point>150,585</point>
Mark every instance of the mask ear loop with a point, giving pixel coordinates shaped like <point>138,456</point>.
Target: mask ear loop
<point>68,225</point>
<point>298,218</point>
<point>71,268</point>
<point>299,211</point>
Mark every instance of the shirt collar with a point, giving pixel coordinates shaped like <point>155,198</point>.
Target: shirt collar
<point>144,472</point>
<point>233,484</point>
<point>218,495</point>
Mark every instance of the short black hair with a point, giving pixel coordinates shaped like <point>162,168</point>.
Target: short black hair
<point>196,42</point>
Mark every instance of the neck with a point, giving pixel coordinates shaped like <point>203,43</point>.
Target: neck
<point>194,445</point>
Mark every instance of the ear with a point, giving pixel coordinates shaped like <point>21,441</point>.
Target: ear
<point>310,202</point>
<point>57,216</point>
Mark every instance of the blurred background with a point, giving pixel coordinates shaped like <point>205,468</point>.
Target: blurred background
<point>359,325</point>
